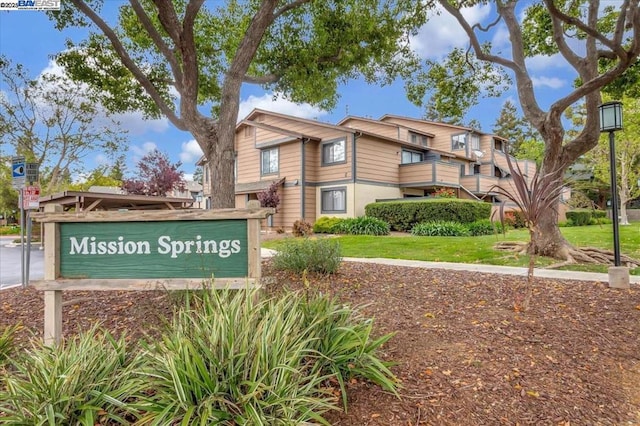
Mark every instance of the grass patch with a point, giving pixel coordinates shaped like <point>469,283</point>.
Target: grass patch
<point>480,249</point>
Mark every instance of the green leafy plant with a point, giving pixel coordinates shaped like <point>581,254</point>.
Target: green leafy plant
<point>321,255</point>
<point>84,381</point>
<point>441,229</point>
<point>326,224</point>
<point>364,225</point>
<point>230,358</point>
<point>7,342</point>
<point>484,227</point>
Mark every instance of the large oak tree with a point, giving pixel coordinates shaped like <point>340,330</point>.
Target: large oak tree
<point>181,58</point>
<point>585,34</point>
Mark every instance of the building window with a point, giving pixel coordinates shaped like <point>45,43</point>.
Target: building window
<point>458,141</point>
<point>409,157</point>
<point>474,141</point>
<point>334,200</point>
<point>498,145</point>
<point>269,161</point>
<point>476,169</point>
<point>206,173</point>
<point>334,152</point>
<point>418,139</point>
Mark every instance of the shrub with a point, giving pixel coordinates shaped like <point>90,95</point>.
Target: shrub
<point>230,358</point>
<point>598,214</point>
<point>84,381</point>
<point>301,228</point>
<point>441,229</point>
<point>484,227</point>
<point>444,193</point>
<point>6,342</point>
<point>320,255</point>
<point>363,225</point>
<point>579,217</point>
<point>269,197</point>
<point>515,219</point>
<point>403,215</point>
<point>326,225</point>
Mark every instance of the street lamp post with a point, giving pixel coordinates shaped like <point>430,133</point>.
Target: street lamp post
<point>611,121</point>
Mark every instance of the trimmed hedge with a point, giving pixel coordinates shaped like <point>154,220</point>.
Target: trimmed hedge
<point>579,217</point>
<point>404,215</point>
<point>326,225</point>
<point>363,225</point>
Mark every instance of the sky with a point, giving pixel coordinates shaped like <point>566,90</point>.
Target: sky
<point>29,38</point>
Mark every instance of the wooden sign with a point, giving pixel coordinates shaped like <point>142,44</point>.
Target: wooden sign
<point>146,250</point>
<point>171,249</point>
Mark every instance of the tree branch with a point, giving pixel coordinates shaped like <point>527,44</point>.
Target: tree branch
<point>169,19</point>
<point>261,79</point>
<point>130,64</point>
<point>166,51</point>
<point>284,9</point>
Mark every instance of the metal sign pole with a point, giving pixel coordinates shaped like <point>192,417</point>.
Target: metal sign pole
<point>22,220</point>
<point>28,261</point>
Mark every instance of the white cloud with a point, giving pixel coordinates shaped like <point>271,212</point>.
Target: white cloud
<point>102,160</point>
<point>134,122</point>
<point>188,177</point>
<point>191,152</point>
<point>141,151</point>
<point>442,32</point>
<point>278,104</point>
<point>544,62</point>
<point>552,82</point>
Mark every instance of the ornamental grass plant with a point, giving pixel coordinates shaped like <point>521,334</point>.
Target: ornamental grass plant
<point>83,381</point>
<point>313,255</point>
<point>230,359</point>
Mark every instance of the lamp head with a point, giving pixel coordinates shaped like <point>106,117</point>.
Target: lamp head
<point>610,116</point>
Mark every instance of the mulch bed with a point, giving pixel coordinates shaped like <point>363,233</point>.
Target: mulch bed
<point>465,355</point>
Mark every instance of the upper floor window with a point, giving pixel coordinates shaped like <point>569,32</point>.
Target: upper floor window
<point>334,152</point>
<point>498,145</point>
<point>474,141</point>
<point>206,173</point>
<point>411,156</point>
<point>418,139</point>
<point>459,141</point>
<point>269,163</point>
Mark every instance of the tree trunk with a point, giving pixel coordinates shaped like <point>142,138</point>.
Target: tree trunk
<point>624,220</point>
<point>219,152</point>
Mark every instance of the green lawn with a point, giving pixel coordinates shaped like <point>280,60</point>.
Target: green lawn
<point>480,249</point>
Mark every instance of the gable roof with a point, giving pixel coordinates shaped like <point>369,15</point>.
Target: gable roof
<point>384,123</point>
<point>436,123</point>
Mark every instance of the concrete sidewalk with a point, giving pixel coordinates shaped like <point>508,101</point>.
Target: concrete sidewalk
<point>487,269</point>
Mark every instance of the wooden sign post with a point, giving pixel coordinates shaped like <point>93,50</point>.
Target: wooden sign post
<point>146,250</point>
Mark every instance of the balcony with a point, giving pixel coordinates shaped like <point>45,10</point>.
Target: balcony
<point>479,184</point>
<point>429,173</point>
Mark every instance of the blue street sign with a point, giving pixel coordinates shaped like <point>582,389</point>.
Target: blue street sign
<point>18,170</point>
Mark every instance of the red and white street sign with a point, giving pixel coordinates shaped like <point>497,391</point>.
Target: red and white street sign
<point>31,198</point>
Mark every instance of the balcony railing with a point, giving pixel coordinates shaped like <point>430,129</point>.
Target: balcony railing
<point>429,173</point>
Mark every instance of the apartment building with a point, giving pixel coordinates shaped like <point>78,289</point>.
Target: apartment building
<point>324,169</point>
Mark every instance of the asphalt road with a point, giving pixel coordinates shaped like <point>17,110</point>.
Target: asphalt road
<point>10,266</point>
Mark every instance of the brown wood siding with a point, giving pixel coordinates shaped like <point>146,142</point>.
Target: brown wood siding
<point>289,157</point>
<point>264,136</point>
<point>373,127</point>
<point>377,160</point>
<point>241,201</point>
<point>289,208</point>
<point>442,134</point>
<point>312,160</point>
<point>448,173</point>
<point>310,204</point>
<point>478,183</point>
<point>416,173</point>
<point>311,129</point>
<point>248,160</point>
<point>328,173</point>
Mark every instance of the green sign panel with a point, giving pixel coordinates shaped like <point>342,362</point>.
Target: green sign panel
<point>174,249</point>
